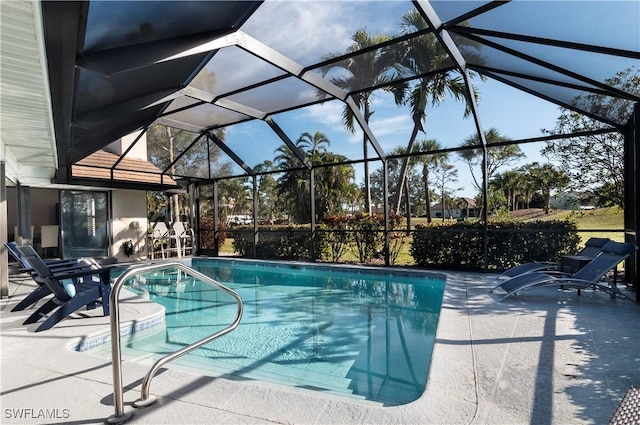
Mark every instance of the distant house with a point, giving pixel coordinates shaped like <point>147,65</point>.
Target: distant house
<point>460,208</point>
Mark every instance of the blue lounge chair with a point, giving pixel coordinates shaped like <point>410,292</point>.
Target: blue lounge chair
<point>591,248</point>
<point>55,266</point>
<point>69,296</point>
<point>589,276</point>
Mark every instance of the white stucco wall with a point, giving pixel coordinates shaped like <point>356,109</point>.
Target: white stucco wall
<point>129,222</point>
<point>139,150</point>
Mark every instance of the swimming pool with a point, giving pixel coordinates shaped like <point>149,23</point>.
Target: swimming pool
<point>358,332</point>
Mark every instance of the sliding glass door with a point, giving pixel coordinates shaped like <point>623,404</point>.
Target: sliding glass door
<point>84,224</point>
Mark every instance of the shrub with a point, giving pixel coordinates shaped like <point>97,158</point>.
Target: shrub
<point>368,235</point>
<point>459,246</point>
<point>278,242</point>
<point>207,234</point>
<point>335,231</point>
<point>334,236</point>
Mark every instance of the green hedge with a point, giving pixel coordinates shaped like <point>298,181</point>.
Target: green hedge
<point>278,243</point>
<point>335,236</point>
<point>207,234</point>
<point>459,246</point>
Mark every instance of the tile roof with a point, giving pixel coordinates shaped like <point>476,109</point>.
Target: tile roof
<point>98,166</point>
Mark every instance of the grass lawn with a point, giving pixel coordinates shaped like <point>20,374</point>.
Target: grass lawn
<point>227,247</point>
<point>599,222</point>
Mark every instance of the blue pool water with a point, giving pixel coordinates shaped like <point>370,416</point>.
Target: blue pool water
<point>333,329</point>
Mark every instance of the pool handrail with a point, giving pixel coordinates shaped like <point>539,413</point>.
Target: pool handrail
<point>116,351</point>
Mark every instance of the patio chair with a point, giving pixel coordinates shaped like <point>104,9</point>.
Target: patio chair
<point>591,248</point>
<point>592,275</point>
<point>69,295</point>
<point>55,266</point>
<point>185,235</point>
<point>164,238</point>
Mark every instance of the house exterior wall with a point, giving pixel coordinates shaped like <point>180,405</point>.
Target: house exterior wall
<point>139,150</point>
<point>129,207</point>
<point>127,215</point>
<point>128,222</point>
<point>43,204</point>
<point>453,213</point>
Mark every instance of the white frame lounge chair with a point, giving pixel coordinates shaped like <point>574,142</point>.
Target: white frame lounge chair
<point>591,275</point>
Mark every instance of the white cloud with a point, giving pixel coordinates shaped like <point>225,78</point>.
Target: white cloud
<point>309,24</point>
<point>328,114</point>
<point>394,124</point>
<point>390,130</point>
<point>317,28</point>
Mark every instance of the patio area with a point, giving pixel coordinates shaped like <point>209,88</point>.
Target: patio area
<point>543,357</point>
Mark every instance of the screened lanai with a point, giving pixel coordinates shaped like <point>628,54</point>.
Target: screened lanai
<point>281,91</point>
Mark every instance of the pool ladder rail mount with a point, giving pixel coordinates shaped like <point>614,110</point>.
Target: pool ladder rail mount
<point>147,399</point>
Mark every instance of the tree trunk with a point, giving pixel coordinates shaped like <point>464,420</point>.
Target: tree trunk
<point>175,201</point>
<point>408,206</point>
<point>443,205</point>
<point>427,196</point>
<point>405,168</point>
<point>365,153</point>
<point>547,202</point>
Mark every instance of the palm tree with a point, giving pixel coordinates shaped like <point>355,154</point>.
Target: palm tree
<point>516,187</point>
<point>331,183</point>
<point>353,196</point>
<point>267,194</point>
<point>293,185</point>
<point>429,163</point>
<point>370,69</point>
<point>511,182</point>
<point>313,143</point>
<point>528,185</point>
<point>498,156</point>
<point>422,56</point>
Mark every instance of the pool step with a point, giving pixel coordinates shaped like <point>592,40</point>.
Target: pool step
<point>215,363</point>
<point>309,375</point>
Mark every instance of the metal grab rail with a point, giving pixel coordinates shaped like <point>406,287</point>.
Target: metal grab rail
<point>116,352</point>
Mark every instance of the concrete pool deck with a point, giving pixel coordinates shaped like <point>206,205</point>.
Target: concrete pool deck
<point>544,357</point>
